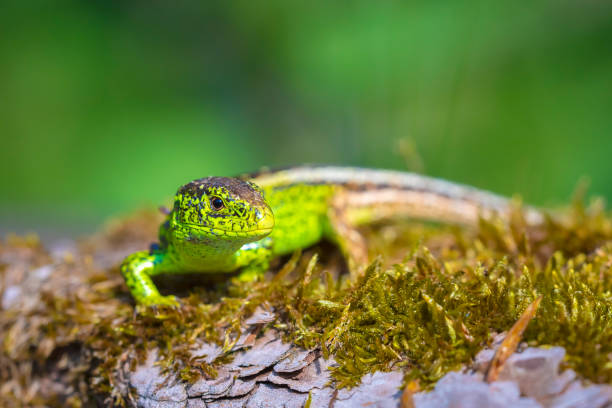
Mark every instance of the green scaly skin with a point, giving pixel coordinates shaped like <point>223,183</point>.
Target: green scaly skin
<point>245,233</point>
<point>221,224</point>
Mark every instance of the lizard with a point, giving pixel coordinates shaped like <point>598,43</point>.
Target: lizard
<point>224,224</point>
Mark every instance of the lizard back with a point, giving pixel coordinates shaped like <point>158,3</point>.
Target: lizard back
<point>302,197</point>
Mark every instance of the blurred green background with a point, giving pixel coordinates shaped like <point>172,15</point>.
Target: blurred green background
<point>108,106</point>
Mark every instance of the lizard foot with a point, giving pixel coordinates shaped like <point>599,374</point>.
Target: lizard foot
<point>159,305</point>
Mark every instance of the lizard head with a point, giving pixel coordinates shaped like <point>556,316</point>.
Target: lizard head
<point>221,208</point>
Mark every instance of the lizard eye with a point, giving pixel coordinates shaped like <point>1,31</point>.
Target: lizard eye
<point>216,203</point>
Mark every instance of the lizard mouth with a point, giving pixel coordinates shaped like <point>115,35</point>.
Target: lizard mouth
<point>221,233</point>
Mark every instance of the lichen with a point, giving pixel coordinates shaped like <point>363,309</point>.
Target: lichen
<point>431,299</point>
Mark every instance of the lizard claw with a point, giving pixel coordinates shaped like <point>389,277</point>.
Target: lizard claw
<point>159,306</point>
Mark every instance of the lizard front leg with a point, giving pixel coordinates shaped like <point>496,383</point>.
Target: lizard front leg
<point>137,270</point>
<point>254,259</point>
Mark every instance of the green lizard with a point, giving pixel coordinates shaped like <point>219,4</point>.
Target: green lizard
<point>221,224</point>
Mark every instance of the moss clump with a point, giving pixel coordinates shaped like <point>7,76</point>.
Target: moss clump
<point>450,290</point>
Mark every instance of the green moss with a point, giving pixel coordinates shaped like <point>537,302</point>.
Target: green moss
<point>429,313</point>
